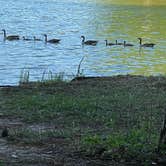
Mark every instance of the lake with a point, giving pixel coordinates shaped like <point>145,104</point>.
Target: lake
<point>68,20</point>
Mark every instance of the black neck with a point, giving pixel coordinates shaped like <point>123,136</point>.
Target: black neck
<point>4,33</point>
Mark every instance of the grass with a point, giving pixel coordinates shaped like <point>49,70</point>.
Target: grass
<point>121,115</point>
<point>48,77</point>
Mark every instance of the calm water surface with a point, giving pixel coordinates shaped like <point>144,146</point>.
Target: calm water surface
<point>68,20</point>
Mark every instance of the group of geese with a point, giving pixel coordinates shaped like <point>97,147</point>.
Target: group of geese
<point>84,42</point>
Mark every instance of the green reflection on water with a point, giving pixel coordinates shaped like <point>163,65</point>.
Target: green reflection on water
<point>135,2</point>
<point>128,22</point>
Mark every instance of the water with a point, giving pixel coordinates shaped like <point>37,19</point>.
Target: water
<point>68,20</point>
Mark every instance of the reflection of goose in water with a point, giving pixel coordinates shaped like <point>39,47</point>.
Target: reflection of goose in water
<point>36,39</point>
<point>11,37</point>
<point>119,43</point>
<point>145,44</point>
<point>89,42</point>
<point>109,44</point>
<point>26,39</point>
<point>127,44</point>
<point>53,41</point>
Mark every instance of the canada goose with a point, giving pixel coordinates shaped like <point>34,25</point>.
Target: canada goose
<point>36,39</point>
<point>89,42</point>
<point>109,44</point>
<point>118,43</point>
<point>5,132</point>
<point>12,37</point>
<point>27,39</point>
<point>54,41</point>
<point>145,44</point>
<point>128,44</point>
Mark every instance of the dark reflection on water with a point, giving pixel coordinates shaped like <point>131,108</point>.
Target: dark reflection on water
<point>68,20</point>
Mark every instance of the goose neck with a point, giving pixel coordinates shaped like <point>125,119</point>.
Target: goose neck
<point>4,34</point>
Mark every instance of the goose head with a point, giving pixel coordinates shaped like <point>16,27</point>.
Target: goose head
<point>140,39</point>
<point>83,38</point>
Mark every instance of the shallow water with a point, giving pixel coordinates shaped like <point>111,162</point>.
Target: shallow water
<point>68,20</point>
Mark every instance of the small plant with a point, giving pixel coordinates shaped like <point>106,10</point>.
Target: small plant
<point>50,77</point>
<point>24,76</point>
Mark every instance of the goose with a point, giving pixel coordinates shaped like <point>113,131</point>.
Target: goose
<point>27,39</point>
<point>36,39</point>
<point>145,44</point>
<point>89,42</point>
<point>118,43</point>
<point>54,41</point>
<point>109,44</point>
<point>127,44</point>
<point>5,132</point>
<point>12,37</point>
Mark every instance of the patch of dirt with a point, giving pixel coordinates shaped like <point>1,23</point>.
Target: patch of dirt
<point>57,151</point>
<point>10,122</point>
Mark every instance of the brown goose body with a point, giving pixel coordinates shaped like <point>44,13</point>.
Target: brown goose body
<point>146,44</point>
<point>11,37</point>
<point>89,42</point>
<point>53,41</point>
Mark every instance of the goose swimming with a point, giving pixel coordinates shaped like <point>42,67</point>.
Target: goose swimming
<point>118,43</point>
<point>109,44</point>
<point>11,37</point>
<point>36,39</point>
<point>54,41</point>
<point>26,39</point>
<point>89,42</point>
<point>145,44</point>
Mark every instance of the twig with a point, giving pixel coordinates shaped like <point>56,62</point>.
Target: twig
<point>79,66</point>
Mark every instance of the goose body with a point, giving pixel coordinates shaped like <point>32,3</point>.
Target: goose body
<point>89,42</point>
<point>109,44</point>
<point>146,44</point>
<point>128,44</point>
<point>54,41</point>
<point>36,39</point>
<point>119,43</point>
<point>26,39</point>
<point>11,37</point>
